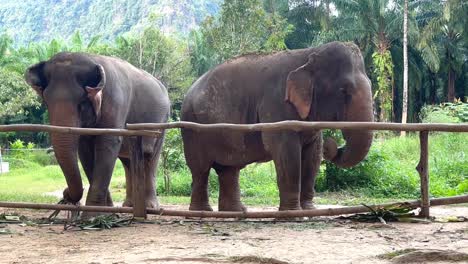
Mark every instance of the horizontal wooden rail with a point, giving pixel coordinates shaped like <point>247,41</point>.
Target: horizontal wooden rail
<point>209,214</point>
<point>302,125</point>
<point>152,129</point>
<point>78,130</point>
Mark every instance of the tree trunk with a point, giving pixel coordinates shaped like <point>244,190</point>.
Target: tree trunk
<point>404,112</point>
<point>451,85</point>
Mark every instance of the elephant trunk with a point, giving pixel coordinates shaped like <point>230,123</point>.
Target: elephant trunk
<point>357,146</point>
<point>66,148</point>
<point>358,142</point>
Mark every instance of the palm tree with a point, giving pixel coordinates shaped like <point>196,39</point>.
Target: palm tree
<point>443,39</point>
<point>375,25</point>
<point>404,115</point>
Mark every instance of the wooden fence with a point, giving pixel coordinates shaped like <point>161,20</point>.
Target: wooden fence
<point>137,131</point>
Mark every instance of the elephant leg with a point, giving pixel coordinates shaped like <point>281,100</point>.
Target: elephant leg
<point>151,163</point>
<point>286,153</point>
<point>229,190</point>
<point>106,151</point>
<point>86,154</point>
<point>311,157</point>
<point>199,197</point>
<point>128,183</point>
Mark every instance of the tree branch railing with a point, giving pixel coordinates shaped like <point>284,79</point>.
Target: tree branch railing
<point>137,131</point>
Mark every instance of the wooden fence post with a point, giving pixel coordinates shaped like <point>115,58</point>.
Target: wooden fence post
<point>423,170</point>
<point>137,165</point>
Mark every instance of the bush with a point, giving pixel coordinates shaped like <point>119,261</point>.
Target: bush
<point>456,112</point>
<point>389,168</point>
<point>43,158</point>
<point>19,150</point>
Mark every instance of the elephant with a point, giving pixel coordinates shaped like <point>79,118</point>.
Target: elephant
<point>324,83</point>
<point>93,91</point>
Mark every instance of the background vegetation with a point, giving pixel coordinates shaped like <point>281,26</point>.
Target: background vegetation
<point>178,41</point>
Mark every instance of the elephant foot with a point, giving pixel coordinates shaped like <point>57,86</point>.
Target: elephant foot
<point>232,207</point>
<point>153,203</point>
<point>89,215</point>
<point>289,204</point>
<point>309,205</point>
<point>150,203</point>
<point>292,219</point>
<point>69,198</point>
<point>200,207</point>
<point>289,207</point>
<point>127,203</point>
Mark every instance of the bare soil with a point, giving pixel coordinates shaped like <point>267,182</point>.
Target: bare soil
<point>189,241</point>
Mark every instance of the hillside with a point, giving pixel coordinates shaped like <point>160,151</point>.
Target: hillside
<point>41,20</point>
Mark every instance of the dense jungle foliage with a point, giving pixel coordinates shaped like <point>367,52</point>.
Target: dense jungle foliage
<point>178,41</point>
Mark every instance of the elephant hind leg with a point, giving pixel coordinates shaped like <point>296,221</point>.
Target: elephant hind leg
<point>150,188</point>
<point>199,198</point>
<point>128,183</point>
<point>151,163</point>
<point>229,190</point>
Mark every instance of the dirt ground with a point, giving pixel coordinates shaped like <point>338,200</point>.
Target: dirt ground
<point>189,241</point>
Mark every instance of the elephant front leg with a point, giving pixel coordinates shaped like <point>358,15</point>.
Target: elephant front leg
<point>86,154</point>
<point>106,152</point>
<point>311,157</point>
<point>287,159</point>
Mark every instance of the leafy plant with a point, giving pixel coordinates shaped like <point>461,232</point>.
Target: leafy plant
<point>456,112</point>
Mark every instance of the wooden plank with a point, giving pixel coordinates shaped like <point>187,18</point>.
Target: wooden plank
<point>423,170</point>
<point>138,177</point>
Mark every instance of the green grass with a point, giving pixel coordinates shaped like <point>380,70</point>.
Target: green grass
<point>388,174</point>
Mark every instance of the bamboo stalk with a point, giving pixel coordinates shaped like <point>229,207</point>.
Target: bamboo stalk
<point>208,214</point>
<point>78,130</point>
<point>302,125</point>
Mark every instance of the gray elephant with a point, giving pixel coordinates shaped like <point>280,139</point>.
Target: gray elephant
<point>327,83</point>
<point>84,90</point>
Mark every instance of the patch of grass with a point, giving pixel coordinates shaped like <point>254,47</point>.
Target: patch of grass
<point>396,253</point>
<point>425,256</point>
<point>256,259</point>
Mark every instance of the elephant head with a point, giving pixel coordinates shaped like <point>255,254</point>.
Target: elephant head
<point>333,86</point>
<point>71,86</point>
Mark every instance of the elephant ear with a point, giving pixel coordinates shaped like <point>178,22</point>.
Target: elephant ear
<point>95,93</point>
<point>35,77</point>
<point>299,88</point>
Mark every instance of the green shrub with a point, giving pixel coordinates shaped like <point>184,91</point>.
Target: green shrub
<point>389,168</point>
<point>43,158</point>
<point>19,150</point>
<point>456,112</point>
<point>181,183</point>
